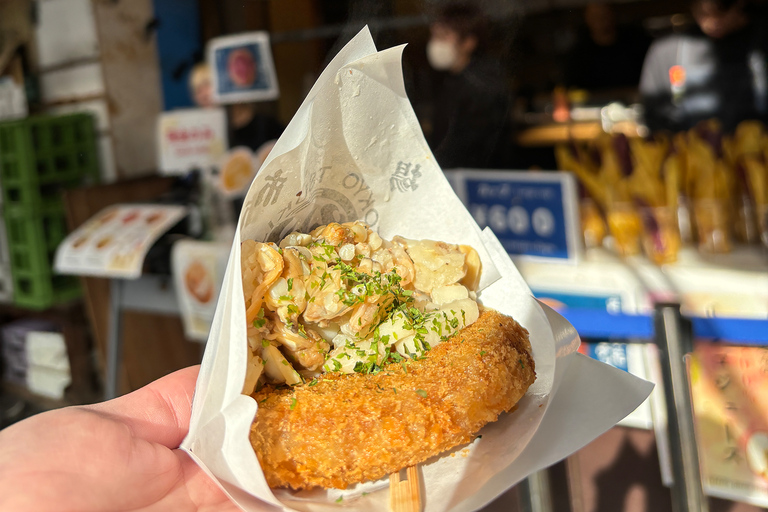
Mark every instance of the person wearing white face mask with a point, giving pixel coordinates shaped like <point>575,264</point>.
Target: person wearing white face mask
<point>448,51</point>
<point>470,110</point>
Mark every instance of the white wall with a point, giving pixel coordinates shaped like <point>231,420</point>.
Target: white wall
<point>94,57</point>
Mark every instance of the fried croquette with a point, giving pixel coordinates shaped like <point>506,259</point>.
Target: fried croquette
<point>342,429</point>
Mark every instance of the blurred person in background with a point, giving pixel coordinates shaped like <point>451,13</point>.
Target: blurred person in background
<point>201,85</point>
<point>716,70</point>
<point>470,106</point>
<point>606,55</point>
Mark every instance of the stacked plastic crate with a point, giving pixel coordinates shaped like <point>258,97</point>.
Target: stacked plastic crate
<point>39,158</point>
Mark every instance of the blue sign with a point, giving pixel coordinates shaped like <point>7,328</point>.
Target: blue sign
<point>559,300</point>
<point>614,354</point>
<point>532,213</point>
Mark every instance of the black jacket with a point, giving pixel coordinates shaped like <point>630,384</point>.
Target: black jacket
<point>469,116</point>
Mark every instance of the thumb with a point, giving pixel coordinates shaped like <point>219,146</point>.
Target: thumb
<point>160,411</point>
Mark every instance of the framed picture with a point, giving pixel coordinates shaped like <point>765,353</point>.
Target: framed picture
<point>242,68</point>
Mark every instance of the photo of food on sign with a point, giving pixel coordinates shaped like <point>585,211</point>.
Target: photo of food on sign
<point>198,270</point>
<point>236,172</point>
<point>199,282</point>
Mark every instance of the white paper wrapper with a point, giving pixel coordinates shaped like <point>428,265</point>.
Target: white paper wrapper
<point>354,151</point>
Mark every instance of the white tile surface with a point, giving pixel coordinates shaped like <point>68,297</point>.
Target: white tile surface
<point>74,82</point>
<point>65,31</point>
<point>96,107</point>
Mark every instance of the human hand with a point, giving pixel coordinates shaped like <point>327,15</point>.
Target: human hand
<point>117,455</point>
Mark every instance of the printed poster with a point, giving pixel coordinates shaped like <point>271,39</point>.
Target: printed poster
<point>243,69</point>
<point>198,271</point>
<point>194,138</point>
<point>729,386</point>
<point>115,242</point>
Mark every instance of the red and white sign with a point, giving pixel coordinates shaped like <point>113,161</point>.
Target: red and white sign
<point>191,139</point>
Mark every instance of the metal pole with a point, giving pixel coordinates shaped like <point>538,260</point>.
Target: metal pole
<point>114,338</point>
<point>675,339</point>
<point>534,493</point>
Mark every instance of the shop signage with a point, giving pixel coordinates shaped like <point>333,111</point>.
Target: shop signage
<point>191,139</point>
<point>533,214</point>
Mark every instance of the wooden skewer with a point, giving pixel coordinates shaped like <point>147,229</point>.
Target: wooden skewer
<point>405,495</point>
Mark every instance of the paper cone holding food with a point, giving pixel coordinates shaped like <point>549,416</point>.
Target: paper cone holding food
<point>367,325</point>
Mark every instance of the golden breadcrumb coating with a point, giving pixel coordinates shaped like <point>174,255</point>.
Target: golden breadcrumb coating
<point>350,428</point>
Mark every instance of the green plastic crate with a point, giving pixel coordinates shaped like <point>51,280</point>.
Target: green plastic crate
<point>40,156</point>
<point>32,242</point>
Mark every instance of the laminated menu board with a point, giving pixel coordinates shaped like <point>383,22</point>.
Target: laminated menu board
<point>198,270</point>
<point>729,387</point>
<point>115,241</point>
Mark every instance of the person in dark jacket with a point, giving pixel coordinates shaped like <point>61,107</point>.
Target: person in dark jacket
<point>471,105</point>
<point>717,70</point>
<point>606,55</point>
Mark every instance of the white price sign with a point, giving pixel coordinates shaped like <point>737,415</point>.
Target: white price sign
<point>191,139</point>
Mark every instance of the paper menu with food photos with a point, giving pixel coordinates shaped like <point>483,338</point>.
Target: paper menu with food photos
<point>354,151</point>
<point>115,241</point>
<point>729,388</point>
